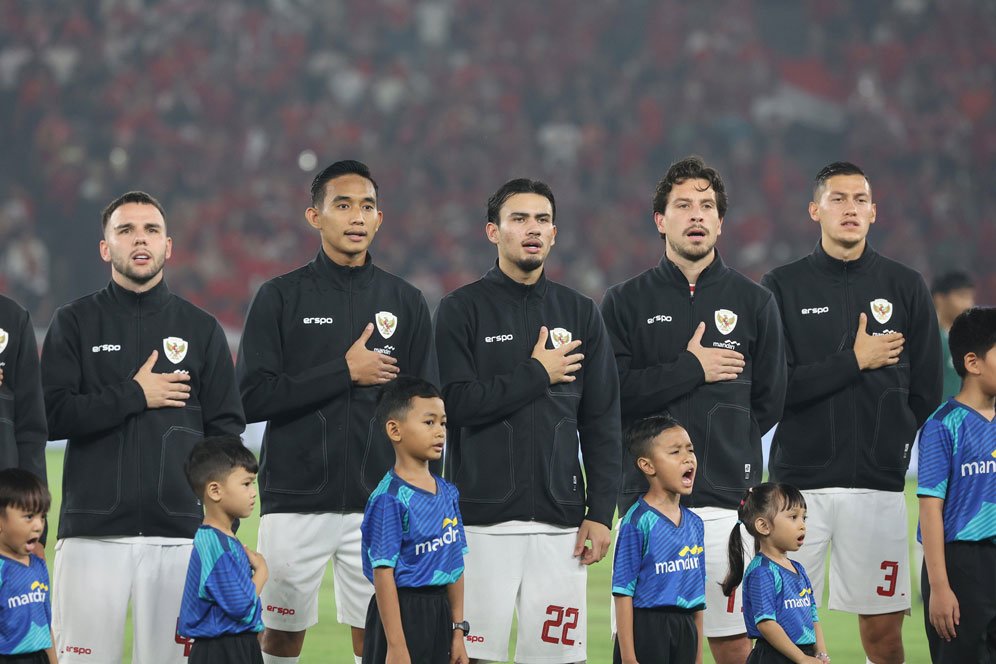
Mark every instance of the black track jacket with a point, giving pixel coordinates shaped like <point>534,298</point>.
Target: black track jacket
<point>23,430</point>
<point>651,318</point>
<point>844,427</point>
<point>124,462</point>
<point>322,450</point>
<point>513,437</point>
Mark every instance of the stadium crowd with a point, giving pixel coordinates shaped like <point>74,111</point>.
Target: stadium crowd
<point>224,109</point>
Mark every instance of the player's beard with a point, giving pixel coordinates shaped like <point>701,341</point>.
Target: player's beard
<point>529,263</point>
<point>691,253</point>
<point>123,266</point>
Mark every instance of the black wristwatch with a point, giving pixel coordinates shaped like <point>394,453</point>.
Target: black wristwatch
<point>462,626</point>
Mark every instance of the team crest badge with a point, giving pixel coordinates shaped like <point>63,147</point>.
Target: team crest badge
<point>3,339</point>
<point>881,310</point>
<point>726,320</point>
<point>559,336</point>
<point>175,348</point>
<point>387,323</point>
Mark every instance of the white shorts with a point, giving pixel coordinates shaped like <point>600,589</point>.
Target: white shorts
<point>297,549</point>
<point>538,578</point>
<point>869,550</point>
<point>93,581</point>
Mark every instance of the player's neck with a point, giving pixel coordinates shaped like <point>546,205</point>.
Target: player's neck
<point>692,268</point>
<point>215,517</point>
<point>135,286</point>
<point>842,252</point>
<point>517,274</point>
<point>415,472</point>
<point>972,396</point>
<point>775,554</point>
<point>666,502</point>
<point>343,259</point>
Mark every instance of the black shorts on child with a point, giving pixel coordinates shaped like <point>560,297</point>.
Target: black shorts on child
<point>971,570</point>
<point>228,649</point>
<point>663,634</point>
<point>426,620</point>
<point>37,657</point>
<point>765,653</point>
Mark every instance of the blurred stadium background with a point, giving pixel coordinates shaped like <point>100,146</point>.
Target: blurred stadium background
<point>226,109</point>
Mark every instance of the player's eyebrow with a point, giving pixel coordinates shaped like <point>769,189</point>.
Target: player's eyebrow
<point>539,215</point>
<point>349,199</point>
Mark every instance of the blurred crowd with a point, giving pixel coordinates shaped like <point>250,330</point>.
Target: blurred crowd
<point>225,109</point>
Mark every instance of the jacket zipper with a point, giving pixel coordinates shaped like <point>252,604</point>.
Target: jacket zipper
<point>349,395</point>
<point>532,417</point>
<point>134,424</point>
<point>851,388</point>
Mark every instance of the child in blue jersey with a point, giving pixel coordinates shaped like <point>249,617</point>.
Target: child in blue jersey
<point>957,492</point>
<point>658,575</point>
<point>221,610</point>
<point>779,607</point>
<point>413,539</point>
<point>25,607</point>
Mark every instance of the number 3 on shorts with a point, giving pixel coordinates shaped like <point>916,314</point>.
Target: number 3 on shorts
<point>559,614</point>
<point>891,569</point>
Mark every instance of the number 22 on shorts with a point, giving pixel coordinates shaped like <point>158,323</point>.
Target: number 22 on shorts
<point>566,619</point>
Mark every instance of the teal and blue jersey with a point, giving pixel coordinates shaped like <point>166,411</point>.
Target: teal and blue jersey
<point>958,465</point>
<point>219,597</point>
<point>25,606</point>
<point>772,592</point>
<point>659,563</point>
<point>418,533</point>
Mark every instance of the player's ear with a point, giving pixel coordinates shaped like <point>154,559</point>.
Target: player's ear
<point>213,491</point>
<point>646,466</point>
<point>393,429</point>
<point>972,363</point>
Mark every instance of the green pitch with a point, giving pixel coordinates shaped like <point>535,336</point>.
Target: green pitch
<point>328,642</point>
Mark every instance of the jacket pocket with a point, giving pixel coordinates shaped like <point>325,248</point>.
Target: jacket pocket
<point>728,440</point>
<point>8,441</point>
<point>893,420</point>
<point>809,439</point>
<point>94,485</point>
<point>566,482</point>
<point>174,493</point>
<point>485,473</point>
<point>295,460</point>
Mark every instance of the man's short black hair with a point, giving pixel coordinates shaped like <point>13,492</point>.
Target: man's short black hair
<point>23,490</point>
<point>836,168</point>
<point>951,281</point>
<point>519,186</point>
<point>640,435</point>
<point>333,171</point>
<point>690,168</point>
<point>973,331</point>
<point>130,197</point>
<point>214,458</point>
<point>396,397</point>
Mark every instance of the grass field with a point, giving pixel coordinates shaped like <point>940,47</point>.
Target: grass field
<point>328,642</point>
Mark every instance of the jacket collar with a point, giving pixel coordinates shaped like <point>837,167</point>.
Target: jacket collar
<point>151,300</point>
<point>514,288</point>
<point>833,265</point>
<point>342,277</point>
<point>672,273</point>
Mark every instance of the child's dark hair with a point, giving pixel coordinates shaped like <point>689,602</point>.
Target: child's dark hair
<point>23,490</point>
<point>640,435</point>
<point>396,397</point>
<point>214,458</point>
<point>973,331</point>
<point>764,500</point>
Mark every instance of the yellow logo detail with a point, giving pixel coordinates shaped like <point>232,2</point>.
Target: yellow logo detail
<point>994,454</point>
<point>695,550</point>
<point>449,522</point>
<point>805,591</point>
<point>39,584</point>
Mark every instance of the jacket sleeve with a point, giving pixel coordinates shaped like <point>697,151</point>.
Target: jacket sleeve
<point>926,368</point>
<point>819,380</point>
<point>648,390</point>
<point>422,352</point>
<point>599,426</point>
<point>71,412</point>
<point>769,375</point>
<point>30,427</point>
<point>267,390</point>
<point>469,400</point>
<point>221,407</point>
